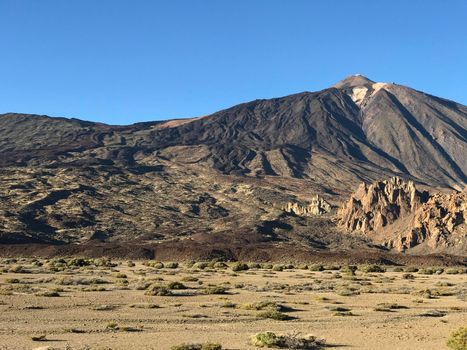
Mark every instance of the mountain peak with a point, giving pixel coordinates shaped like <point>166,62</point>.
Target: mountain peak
<point>353,81</point>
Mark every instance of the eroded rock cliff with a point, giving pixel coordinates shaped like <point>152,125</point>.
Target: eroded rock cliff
<point>396,214</point>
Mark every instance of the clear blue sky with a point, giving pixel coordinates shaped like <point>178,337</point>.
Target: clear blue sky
<point>126,61</point>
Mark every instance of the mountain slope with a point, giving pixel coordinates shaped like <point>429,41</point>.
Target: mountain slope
<point>371,128</point>
<point>225,177</point>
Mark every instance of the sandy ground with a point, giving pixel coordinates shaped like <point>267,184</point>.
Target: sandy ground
<point>80,319</point>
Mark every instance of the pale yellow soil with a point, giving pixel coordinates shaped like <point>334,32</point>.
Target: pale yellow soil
<point>201,318</point>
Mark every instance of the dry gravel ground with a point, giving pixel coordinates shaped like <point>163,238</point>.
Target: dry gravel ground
<point>105,307</point>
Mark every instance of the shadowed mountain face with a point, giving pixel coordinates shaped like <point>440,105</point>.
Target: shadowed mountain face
<point>368,128</point>
<point>310,143</point>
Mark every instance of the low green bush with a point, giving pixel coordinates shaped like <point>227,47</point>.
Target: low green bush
<point>458,339</point>
<point>368,268</point>
<point>239,266</point>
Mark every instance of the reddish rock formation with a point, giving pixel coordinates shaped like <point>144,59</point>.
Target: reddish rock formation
<point>396,214</point>
<point>439,223</point>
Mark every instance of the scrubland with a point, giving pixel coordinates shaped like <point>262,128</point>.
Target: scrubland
<point>70,303</point>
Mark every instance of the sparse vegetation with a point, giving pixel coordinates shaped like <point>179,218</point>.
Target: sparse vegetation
<point>238,266</point>
<point>388,307</point>
<point>458,339</point>
<point>316,267</point>
<point>257,295</point>
<point>49,293</point>
<point>274,315</point>
<point>158,290</point>
<point>290,341</point>
<point>41,337</point>
<point>215,290</point>
<point>278,267</point>
<point>176,285</point>
<point>205,346</point>
<point>370,268</point>
<point>190,279</point>
<point>171,265</point>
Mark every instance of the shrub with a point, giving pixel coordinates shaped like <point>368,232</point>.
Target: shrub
<point>130,264</point>
<point>389,307</point>
<point>154,264</point>
<point>112,325</point>
<point>158,265</point>
<point>49,293</point>
<point>189,264</point>
<point>238,266</point>
<point>370,268</point>
<point>293,341</point>
<point>458,339</point>
<point>104,262</point>
<point>262,305</point>
<point>171,265</point>
<point>408,276</point>
<point>343,313</point>
<point>142,284</point>
<point>426,293</point>
<point>67,281</point>
<point>107,307</point>
<point>430,271</point>
<point>229,304</point>
<point>220,265</point>
<point>176,285</point>
<point>274,315</point>
<point>434,313</point>
<point>12,280</point>
<point>398,269</point>
<point>316,267</point>
<point>78,262</point>
<point>266,266</point>
<point>265,339</point>
<point>278,267</point>
<point>17,269</point>
<point>411,269</point>
<point>254,266</point>
<point>144,306</point>
<point>189,279</point>
<point>158,290</point>
<point>41,337</point>
<point>200,265</point>
<point>74,330</point>
<point>338,309</point>
<point>215,290</point>
<point>205,346</point>
<point>350,269</point>
<point>346,292</point>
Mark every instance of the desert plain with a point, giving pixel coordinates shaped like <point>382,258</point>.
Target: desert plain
<point>102,304</point>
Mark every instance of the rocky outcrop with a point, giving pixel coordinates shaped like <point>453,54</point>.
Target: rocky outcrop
<point>439,223</point>
<point>380,204</point>
<point>317,206</point>
<point>394,213</point>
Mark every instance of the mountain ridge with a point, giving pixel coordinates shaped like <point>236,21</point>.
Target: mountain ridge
<point>228,174</point>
